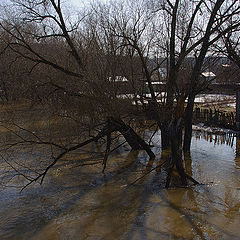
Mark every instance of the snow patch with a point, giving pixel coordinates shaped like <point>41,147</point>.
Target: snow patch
<point>202,128</point>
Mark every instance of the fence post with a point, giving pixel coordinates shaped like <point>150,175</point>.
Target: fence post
<point>210,115</point>
<point>198,113</point>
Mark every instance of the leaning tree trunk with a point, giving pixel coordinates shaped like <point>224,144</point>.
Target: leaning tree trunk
<point>132,138</point>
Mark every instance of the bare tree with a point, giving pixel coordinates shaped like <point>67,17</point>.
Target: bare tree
<point>187,35</point>
<point>220,13</point>
<point>76,60</point>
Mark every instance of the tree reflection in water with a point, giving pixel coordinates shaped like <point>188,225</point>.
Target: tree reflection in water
<point>81,203</point>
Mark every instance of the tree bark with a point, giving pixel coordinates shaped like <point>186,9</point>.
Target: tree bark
<point>132,138</point>
<point>176,159</point>
<point>188,124</point>
<point>165,140</point>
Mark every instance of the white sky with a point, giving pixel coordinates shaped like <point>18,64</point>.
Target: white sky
<point>76,3</point>
<point>79,3</point>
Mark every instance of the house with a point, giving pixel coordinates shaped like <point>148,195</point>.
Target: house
<point>209,76</point>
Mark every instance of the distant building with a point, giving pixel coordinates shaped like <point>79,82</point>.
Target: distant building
<point>209,76</point>
<point>118,79</point>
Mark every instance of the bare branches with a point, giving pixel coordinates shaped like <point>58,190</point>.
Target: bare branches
<point>42,175</point>
<point>23,141</point>
<point>21,45</point>
<point>34,15</point>
<point>111,126</point>
<point>230,46</point>
<point>65,32</point>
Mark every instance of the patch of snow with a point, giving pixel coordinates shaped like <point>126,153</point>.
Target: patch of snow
<point>202,98</point>
<point>226,65</point>
<point>154,83</point>
<point>124,96</point>
<point>202,128</point>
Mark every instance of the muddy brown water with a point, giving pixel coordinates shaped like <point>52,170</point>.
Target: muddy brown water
<point>79,202</point>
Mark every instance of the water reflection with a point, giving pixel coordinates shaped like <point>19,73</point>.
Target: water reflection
<point>238,146</point>
<point>217,139</point>
<point>231,139</point>
<point>82,203</point>
<point>188,163</point>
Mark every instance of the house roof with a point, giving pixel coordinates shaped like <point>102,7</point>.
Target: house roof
<point>208,74</point>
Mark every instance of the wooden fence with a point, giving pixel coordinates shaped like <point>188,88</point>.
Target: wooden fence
<point>215,117</point>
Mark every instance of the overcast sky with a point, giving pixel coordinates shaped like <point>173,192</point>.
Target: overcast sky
<point>79,3</point>
<point>76,3</point>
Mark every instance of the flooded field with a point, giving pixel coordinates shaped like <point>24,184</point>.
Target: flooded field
<point>79,202</point>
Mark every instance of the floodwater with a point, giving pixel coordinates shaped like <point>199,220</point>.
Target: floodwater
<point>79,202</point>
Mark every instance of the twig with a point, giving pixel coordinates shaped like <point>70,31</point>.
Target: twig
<point>144,175</point>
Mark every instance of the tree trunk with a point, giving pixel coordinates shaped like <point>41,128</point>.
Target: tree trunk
<point>195,75</point>
<point>188,123</point>
<point>176,160</point>
<point>165,141</point>
<point>132,138</point>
